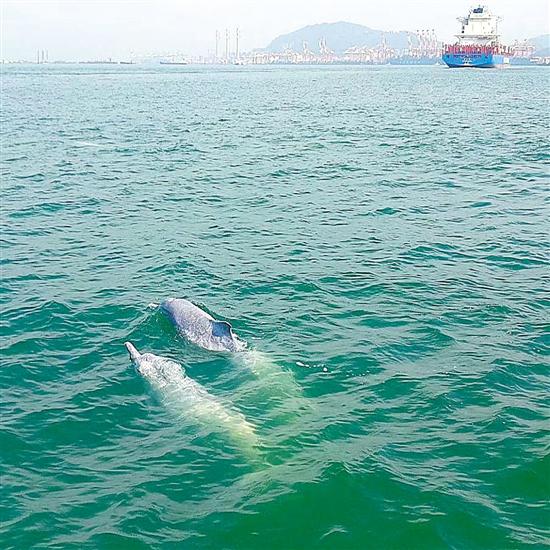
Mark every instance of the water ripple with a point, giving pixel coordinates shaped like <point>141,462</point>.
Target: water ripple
<point>387,267</point>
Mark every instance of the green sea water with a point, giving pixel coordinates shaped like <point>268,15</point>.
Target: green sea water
<point>378,236</point>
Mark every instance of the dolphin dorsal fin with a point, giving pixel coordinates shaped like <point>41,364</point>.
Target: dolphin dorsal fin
<point>221,329</point>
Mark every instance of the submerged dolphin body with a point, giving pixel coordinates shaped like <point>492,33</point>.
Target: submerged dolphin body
<point>183,395</point>
<point>199,327</point>
<point>203,330</point>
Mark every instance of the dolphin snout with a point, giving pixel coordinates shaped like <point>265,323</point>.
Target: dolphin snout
<point>134,353</point>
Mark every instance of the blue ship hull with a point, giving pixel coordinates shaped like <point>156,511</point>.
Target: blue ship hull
<point>476,60</point>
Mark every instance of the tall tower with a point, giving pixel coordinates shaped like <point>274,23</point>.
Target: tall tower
<point>217,45</point>
<point>227,44</point>
<point>237,35</point>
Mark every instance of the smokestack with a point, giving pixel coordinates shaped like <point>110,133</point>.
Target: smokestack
<point>217,44</point>
<point>237,42</point>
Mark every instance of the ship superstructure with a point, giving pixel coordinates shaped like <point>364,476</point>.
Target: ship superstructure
<point>478,43</point>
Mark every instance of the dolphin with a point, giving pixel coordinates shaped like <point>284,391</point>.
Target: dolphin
<point>203,330</point>
<point>184,395</point>
<point>199,327</point>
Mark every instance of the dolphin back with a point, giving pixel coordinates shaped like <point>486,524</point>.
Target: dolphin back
<point>198,326</point>
<point>184,314</point>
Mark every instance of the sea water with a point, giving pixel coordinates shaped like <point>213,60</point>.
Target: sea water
<point>378,235</point>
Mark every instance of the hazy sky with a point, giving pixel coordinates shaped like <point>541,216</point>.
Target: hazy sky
<point>86,29</point>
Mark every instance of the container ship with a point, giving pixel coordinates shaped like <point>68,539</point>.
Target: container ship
<point>478,43</point>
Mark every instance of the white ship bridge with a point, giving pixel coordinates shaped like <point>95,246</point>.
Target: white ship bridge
<point>479,27</point>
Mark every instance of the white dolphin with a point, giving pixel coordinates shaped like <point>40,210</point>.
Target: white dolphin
<point>183,395</point>
<point>200,327</point>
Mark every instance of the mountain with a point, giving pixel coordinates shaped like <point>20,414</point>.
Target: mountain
<point>339,37</point>
<point>542,45</point>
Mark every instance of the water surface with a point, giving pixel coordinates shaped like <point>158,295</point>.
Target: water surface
<point>379,235</point>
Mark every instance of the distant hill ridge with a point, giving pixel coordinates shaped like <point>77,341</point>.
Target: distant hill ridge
<point>339,37</point>
<point>542,45</point>
<point>343,35</point>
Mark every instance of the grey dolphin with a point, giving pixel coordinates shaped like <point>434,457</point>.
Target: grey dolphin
<point>199,327</point>
<point>183,395</point>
